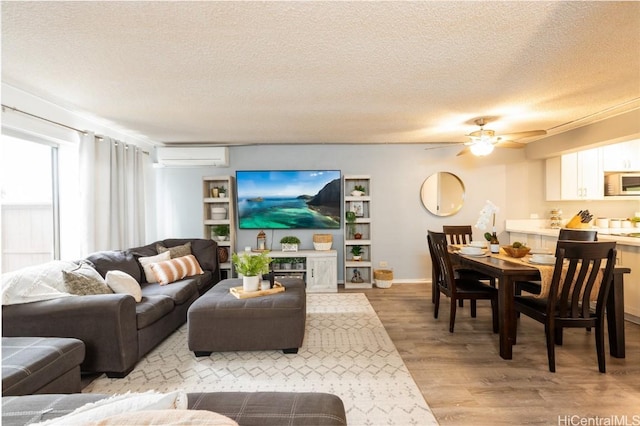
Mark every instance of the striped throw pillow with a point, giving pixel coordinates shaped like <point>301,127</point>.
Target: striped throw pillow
<point>176,269</point>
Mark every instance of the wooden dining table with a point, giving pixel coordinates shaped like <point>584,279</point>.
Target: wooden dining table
<point>508,272</point>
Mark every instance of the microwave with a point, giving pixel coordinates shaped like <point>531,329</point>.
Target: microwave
<point>622,184</point>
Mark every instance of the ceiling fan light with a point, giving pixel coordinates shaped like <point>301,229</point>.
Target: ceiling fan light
<point>481,148</point>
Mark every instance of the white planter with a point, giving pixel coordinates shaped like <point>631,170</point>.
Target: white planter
<point>356,193</point>
<point>289,247</point>
<point>251,283</point>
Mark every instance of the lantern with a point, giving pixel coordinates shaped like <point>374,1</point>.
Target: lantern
<point>262,241</point>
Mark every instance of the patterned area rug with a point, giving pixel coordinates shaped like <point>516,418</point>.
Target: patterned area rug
<point>346,351</point>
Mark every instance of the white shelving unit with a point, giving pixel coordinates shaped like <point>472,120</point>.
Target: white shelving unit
<point>213,199</point>
<point>361,204</point>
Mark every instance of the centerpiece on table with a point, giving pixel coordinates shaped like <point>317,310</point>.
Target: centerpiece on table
<point>488,215</point>
<point>251,265</point>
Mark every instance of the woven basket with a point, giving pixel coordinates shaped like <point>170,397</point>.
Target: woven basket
<point>322,241</point>
<point>383,277</point>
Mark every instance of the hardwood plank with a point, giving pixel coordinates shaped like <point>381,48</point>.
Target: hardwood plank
<point>464,380</point>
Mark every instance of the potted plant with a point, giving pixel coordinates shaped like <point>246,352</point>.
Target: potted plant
<point>298,263</point>
<point>351,222</point>
<point>636,221</point>
<point>358,191</point>
<point>222,192</point>
<point>285,263</point>
<point>289,243</point>
<point>251,266</point>
<point>221,231</point>
<point>356,251</point>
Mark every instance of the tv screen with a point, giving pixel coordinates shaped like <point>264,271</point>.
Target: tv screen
<point>288,199</point>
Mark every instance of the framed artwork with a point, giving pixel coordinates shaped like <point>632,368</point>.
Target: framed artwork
<point>358,208</point>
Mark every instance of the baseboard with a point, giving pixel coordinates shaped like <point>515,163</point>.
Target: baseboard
<point>632,318</point>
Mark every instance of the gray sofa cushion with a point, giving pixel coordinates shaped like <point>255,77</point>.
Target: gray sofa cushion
<point>32,363</point>
<point>247,408</point>
<point>180,291</point>
<point>105,261</point>
<point>151,309</point>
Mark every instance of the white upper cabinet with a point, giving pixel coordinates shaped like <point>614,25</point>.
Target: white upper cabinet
<point>576,176</point>
<point>620,157</point>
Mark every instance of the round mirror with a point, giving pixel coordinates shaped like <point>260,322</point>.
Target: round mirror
<point>442,194</point>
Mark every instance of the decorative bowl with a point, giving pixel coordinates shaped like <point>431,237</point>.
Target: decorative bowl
<point>516,252</point>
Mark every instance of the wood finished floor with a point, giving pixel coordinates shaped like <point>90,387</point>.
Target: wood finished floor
<point>464,380</point>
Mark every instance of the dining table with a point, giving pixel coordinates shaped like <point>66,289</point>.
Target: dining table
<point>507,271</point>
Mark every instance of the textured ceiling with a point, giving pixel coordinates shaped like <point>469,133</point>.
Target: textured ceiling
<point>327,72</point>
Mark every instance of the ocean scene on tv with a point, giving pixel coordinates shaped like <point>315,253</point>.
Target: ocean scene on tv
<point>288,199</point>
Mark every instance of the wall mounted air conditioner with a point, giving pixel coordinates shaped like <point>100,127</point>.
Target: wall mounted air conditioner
<point>217,156</point>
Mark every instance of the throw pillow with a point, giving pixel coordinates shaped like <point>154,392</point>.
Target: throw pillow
<point>177,251</point>
<point>147,261</point>
<point>85,280</point>
<point>35,283</point>
<point>176,269</point>
<point>121,282</point>
<point>127,403</point>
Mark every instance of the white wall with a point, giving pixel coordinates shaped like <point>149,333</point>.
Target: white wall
<point>400,221</point>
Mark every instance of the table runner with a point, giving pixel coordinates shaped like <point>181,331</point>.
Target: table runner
<point>546,274</point>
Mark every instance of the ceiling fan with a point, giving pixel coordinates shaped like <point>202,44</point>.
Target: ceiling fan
<point>483,141</point>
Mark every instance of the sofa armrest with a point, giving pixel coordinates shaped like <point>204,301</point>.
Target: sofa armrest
<point>106,323</point>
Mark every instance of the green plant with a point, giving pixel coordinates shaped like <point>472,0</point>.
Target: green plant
<point>635,219</point>
<point>360,188</point>
<point>221,230</point>
<point>251,264</point>
<point>351,222</point>
<point>289,239</point>
<point>356,250</point>
<point>222,190</point>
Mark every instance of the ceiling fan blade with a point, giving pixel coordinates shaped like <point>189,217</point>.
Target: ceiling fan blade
<point>465,150</point>
<point>522,135</point>
<point>509,144</point>
<point>442,144</point>
<point>482,132</point>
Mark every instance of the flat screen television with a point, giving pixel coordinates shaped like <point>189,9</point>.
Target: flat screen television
<point>288,199</point>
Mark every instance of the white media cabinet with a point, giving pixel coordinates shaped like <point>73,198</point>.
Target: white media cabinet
<point>320,271</point>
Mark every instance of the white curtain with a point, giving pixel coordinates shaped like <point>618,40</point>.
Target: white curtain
<point>112,190</point>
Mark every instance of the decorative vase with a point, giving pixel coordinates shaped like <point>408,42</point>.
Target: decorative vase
<point>251,283</point>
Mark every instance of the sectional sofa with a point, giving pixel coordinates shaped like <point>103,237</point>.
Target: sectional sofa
<point>118,331</point>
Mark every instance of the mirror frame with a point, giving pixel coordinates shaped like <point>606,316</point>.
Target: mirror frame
<point>432,189</point>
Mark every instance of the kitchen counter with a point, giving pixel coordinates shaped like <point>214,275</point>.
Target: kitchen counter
<point>541,227</point>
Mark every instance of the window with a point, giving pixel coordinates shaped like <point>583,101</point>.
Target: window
<point>29,203</point>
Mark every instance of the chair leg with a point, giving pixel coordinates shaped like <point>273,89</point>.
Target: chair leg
<point>461,303</point>
<point>452,316</point>
<point>558,336</point>
<point>473,308</point>
<point>600,348</point>
<point>551,354</point>
<point>437,303</point>
<point>494,313</point>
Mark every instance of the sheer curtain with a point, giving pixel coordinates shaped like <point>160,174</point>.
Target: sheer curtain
<point>112,191</point>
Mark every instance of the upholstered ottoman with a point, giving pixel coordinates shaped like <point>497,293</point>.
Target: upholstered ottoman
<point>218,321</point>
<point>33,365</point>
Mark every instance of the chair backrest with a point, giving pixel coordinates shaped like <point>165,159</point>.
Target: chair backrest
<point>578,234</point>
<point>440,260</point>
<point>458,234</point>
<point>577,278</point>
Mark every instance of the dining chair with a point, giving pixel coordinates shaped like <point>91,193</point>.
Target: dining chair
<point>461,235</point>
<point>457,288</point>
<point>577,281</point>
<point>565,234</point>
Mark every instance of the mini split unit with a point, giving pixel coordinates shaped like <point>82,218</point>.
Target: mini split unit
<point>178,156</point>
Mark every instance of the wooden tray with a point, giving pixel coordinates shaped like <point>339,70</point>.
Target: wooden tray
<point>239,293</point>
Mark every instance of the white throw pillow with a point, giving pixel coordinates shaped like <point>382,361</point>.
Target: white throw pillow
<point>146,265</point>
<point>121,282</point>
<point>35,283</point>
<point>127,403</point>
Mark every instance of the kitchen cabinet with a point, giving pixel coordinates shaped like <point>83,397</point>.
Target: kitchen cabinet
<point>575,176</point>
<point>623,156</point>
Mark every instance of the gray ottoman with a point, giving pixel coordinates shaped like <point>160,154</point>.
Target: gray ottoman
<point>218,322</point>
<point>33,365</point>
